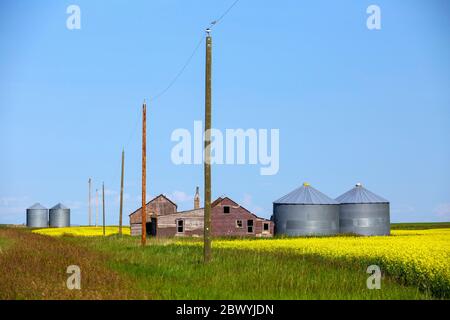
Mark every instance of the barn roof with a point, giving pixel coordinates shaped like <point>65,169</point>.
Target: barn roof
<point>359,194</point>
<point>221,199</point>
<point>306,195</point>
<point>217,201</point>
<point>164,196</point>
<point>199,211</point>
<point>161,195</point>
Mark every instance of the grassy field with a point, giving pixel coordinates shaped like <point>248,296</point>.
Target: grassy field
<point>174,271</point>
<point>416,257</point>
<point>4,242</point>
<point>420,225</point>
<point>34,267</point>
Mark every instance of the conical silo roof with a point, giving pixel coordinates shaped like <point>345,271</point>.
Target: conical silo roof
<point>306,195</point>
<point>59,206</point>
<point>37,206</point>
<point>359,194</point>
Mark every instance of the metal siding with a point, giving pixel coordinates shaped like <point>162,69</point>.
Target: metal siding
<point>306,195</point>
<point>365,219</point>
<point>359,194</point>
<point>59,218</point>
<point>37,218</point>
<point>306,220</point>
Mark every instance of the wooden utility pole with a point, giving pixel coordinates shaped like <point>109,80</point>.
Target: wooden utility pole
<point>121,192</point>
<point>103,192</point>
<point>89,202</point>
<point>144,174</point>
<point>96,207</point>
<point>207,155</point>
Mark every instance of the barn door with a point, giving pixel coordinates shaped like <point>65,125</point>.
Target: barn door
<point>151,228</point>
<point>154,227</point>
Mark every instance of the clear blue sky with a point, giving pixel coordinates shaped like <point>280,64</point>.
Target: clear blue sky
<point>352,105</point>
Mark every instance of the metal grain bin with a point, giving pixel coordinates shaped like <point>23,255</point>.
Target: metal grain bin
<point>59,216</point>
<point>37,216</point>
<point>363,212</point>
<point>306,212</point>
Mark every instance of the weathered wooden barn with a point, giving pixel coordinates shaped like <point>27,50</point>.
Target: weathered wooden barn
<point>228,219</point>
<point>158,207</point>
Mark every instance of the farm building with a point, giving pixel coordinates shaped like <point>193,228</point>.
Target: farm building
<point>156,208</point>
<point>363,212</point>
<point>306,212</point>
<point>228,218</point>
<point>59,216</point>
<point>37,216</point>
<point>41,217</point>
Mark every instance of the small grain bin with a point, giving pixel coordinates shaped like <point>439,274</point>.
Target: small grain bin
<point>59,216</point>
<point>37,216</point>
<point>304,212</point>
<point>363,212</point>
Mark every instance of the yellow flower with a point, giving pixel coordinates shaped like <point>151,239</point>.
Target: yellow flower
<point>81,231</point>
<point>420,257</point>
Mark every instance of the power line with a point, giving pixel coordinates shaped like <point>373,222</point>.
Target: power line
<point>174,80</point>
<point>216,22</point>
<point>179,74</point>
<point>159,95</point>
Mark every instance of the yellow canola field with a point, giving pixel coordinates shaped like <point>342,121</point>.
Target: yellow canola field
<point>82,231</point>
<point>420,257</point>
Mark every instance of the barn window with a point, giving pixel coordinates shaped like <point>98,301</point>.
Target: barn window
<point>250,226</point>
<point>239,224</point>
<point>180,226</point>
<point>226,209</point>
<point>266,226</point>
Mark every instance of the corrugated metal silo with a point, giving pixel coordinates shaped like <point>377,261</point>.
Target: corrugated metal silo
<point>304,212</point>
<point>59,216</point>
<point>363,212</point>
<point>37,216</point>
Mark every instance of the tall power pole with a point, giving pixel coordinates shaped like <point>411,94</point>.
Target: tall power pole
<point>89,202</point>
<point>96,207</point>
<point>144,174</point>
<point>121,192</point>
<point>207,156</point>
<point>103,192</point>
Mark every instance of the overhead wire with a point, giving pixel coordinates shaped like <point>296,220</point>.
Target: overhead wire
<point>217,21</point>
<point>188,61</point>
<point>178,75</point>
<point>180,72</point>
